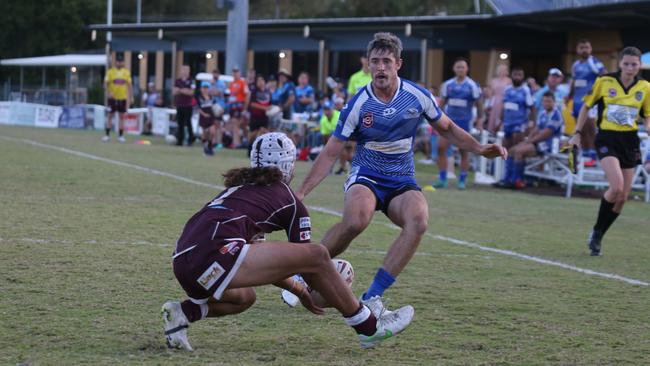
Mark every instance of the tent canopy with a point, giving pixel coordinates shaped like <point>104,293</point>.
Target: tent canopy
<point>58,60</point>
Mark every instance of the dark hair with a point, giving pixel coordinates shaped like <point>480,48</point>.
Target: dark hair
<point>516,68</point>
<point>385,41</point>
<point>549,94</point>
<point>583,41</point>
<point>459,59</point>
<point>629,51</point>
<point>260,76</point>
<point>261,176</point>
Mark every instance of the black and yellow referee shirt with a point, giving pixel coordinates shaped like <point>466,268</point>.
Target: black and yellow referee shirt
<point>619,108</point>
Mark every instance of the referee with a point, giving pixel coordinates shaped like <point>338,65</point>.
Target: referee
<point>622,98</point>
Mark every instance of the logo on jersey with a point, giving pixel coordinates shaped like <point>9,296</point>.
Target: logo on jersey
<point>232,248</point>
<point>389,112</point>
<point>211,276</point>
<point>603,150</point>
<point>367,120</point>
<point>305,235</point>
<point>305,222</point>
<point>612,92</point>
<point>638,96</point>
<point>412,113</point>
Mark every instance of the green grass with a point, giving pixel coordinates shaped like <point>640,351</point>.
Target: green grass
<point>85,266</point>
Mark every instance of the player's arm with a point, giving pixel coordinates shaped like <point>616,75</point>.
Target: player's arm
<point>322,166</point>
<point>107,90</point>
<point>538,135</point>
<point>457,136</point>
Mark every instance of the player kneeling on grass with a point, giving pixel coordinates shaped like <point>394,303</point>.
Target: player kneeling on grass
<point>217,266</point>
<point>540,140</point>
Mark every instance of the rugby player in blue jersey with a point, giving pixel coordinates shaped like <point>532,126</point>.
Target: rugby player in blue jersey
<point>459,94</point>
<point>517,114</point>
<point>585,71</point>
<point>383,118</point>
<point>540,140</point>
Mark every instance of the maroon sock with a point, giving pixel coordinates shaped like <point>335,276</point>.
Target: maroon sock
<point>192,311</point>
<point>366,326</point>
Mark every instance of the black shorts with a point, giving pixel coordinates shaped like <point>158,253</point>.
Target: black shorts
<point>625,146</point>
<point>116,105</point>
<point>257,123</point>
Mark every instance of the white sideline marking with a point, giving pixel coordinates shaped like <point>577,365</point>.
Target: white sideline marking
<point>510,253</point>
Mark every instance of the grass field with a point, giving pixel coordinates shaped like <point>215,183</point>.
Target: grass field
<point>86,240</point>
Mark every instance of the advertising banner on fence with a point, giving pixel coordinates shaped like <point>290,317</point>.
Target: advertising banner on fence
<point>132,124</point>
<point>73,117</point>
<point>47,116</point>
<point>160,121</point>
<point>22,114</point>
<point>5,111</point>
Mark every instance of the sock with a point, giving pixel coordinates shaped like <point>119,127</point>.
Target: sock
<point>383,280</point>
<point>510,166</point>
<point>108,131</point>
<point>121,132</point>
<point>363,321</point>
<point>519,170</point>
<point>194,312</point>
<point>443,175</point>
<point>606,216</point>
<point>463,175</point>
<point>593,154</point>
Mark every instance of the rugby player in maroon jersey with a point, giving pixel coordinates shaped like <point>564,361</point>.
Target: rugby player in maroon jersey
<point>218,262</point>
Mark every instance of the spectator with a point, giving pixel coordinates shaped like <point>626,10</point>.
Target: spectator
<point>260,102</point>
<point>328,121</point>
<point>218,89</point>
<point>284,94</point>
<point>119,91</point>
<point>339,91</point>
<point>360,78</point>
<point>305,97</point>
<point>207,118</point>
<point>183,92</point>
<point>148,101</point>
<point>532,84</point>
<point>540,141</point>
<point>553,81</point>
<point>238,95</point>
<point>498,86</point>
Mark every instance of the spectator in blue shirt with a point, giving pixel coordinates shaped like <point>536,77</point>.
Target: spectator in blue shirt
<point>553,81</point>
<point>304,95</point>
<point>284,95</point>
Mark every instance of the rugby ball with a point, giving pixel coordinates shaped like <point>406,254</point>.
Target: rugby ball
<point>273,111</point>
<point>170,139</point>
<point>217,110</point>
<point>345,270</point>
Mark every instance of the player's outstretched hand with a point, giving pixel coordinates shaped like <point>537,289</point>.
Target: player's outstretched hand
<point>492,151</point>
<point>308,302</point>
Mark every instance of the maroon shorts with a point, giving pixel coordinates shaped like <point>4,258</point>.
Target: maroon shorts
<point>116,105</point>
<point>206,122</point>
<point>206,270</point>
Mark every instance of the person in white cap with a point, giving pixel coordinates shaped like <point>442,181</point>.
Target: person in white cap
<point>553,81</point>
<point>217,260</point>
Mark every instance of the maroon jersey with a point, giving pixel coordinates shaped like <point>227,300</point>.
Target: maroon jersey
<point>182,100</point>
<point>244,212</point>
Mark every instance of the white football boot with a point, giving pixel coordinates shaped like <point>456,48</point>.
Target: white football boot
<point>388,325</point>
<point>121,139</point>
<point>106,138</point>
<point>289,298</point>
<point>176,325</point>
<point>375,305</point>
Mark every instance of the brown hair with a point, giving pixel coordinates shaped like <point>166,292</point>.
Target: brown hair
<point>385,41</point>
<point>629,51</point>
<point>261,176</point>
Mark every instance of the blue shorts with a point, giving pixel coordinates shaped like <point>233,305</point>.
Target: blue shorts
<point>509,130</point>
<point>385,187</point>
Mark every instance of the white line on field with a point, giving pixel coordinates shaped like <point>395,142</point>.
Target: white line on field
<point>510,253</point>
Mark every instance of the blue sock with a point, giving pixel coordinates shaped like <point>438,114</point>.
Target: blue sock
<point>519,170</point>
<point>592,154</point>
<point>383,280</point>
<point>463,175</point>
<point>510,165</point>
<point>443,175</point>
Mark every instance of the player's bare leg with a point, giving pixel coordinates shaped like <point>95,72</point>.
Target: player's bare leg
<point>358,211</point>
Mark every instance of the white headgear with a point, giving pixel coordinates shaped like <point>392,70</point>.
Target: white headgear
<point>274,149</point>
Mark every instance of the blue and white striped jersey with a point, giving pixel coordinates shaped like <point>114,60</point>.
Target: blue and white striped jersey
<point>459,98</point>
<point>384,132</point>
<point>584,76</point>
<point>517,101</point>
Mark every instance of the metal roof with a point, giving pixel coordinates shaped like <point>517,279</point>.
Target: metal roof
<point>58,60</point>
